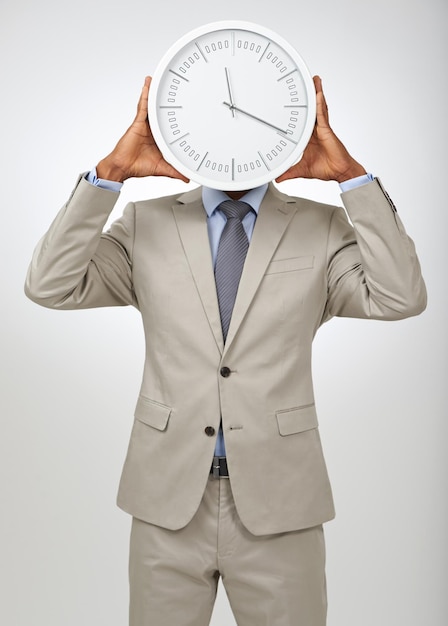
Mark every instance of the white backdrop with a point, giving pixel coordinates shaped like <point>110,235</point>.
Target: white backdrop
<point>71,74</point>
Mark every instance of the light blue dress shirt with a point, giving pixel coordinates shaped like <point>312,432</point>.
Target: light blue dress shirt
<point>216,220</point>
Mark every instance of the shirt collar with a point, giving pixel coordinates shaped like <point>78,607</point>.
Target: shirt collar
<point>212,198</point>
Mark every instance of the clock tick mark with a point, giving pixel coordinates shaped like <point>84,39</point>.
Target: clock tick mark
<point>285,136</point>
<point>264,162</point>
<point>200,50</point>
<point>264,52</point>
<point>203,159</point>
<point>179,76</point>
<point>286,75</point>
<point>179,138</point>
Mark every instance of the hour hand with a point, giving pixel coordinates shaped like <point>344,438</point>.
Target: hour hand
<point>229,88</point>
<point>232,107</point>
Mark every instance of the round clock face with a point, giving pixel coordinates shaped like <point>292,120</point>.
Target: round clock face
<point>232,105</point>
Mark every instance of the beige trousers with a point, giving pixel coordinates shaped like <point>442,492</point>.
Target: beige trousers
<point>274,580</point>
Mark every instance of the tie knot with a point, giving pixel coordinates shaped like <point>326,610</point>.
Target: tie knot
<point>235,208</point>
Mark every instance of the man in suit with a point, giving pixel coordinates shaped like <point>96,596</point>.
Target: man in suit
<point>225,475</point>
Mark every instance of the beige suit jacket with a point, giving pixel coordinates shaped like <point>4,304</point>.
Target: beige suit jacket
<point>305,264</point>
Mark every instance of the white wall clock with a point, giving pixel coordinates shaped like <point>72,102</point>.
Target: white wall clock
<point>232,105</point>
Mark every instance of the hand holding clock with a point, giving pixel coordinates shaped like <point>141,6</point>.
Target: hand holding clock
<point>136,154</point>
<point>325,157</point>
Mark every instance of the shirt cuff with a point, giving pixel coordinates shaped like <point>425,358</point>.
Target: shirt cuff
<point>352,183</point>
<point>111,185</point>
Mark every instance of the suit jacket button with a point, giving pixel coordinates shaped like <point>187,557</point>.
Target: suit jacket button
<point>209,431</point>
<point>225,372</point>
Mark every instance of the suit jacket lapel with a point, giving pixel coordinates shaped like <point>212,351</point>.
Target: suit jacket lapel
<point>191,222</point>
<point>276,211</point>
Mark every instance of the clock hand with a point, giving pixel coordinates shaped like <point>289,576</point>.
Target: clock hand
<point>254,117</point>
<point>232,108</point>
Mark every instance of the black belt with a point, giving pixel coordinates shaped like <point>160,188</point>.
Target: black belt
<point>219,467</point>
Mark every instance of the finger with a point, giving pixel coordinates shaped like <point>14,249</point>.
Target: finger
<point>321,104</point>
<point>173,173</point>
<point>317,83</point>
<point>142,106</point>
<point>293,172</point>
<point>163,168</point>
<point>285,176</point>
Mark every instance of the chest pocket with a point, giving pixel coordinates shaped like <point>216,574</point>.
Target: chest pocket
<point>292,264</point>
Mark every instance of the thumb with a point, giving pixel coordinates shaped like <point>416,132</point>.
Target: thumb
<point>295,171</point>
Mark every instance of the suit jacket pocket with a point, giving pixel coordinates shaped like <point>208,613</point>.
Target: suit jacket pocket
<point>290,265</point>
<point>152,413</point>
<point>296,420</point>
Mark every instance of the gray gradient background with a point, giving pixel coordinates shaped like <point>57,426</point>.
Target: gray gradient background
<point>71,74</point>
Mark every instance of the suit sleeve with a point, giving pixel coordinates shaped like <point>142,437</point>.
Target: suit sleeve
<point>373,269</point>
<point>77,266</point>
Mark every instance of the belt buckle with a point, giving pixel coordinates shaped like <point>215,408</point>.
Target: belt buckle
<point>216,467</point>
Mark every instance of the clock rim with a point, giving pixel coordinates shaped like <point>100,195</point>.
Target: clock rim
<point>209,181</point>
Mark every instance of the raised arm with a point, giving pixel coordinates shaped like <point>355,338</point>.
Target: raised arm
<point>75,265</point>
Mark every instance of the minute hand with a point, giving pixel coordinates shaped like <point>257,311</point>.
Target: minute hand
<point>254,117</point>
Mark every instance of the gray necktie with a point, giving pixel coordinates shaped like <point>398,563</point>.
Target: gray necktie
<point>232,250</point>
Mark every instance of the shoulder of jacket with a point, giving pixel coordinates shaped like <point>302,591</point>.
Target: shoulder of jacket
<point>305,205</point>
<point>165,203</point>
